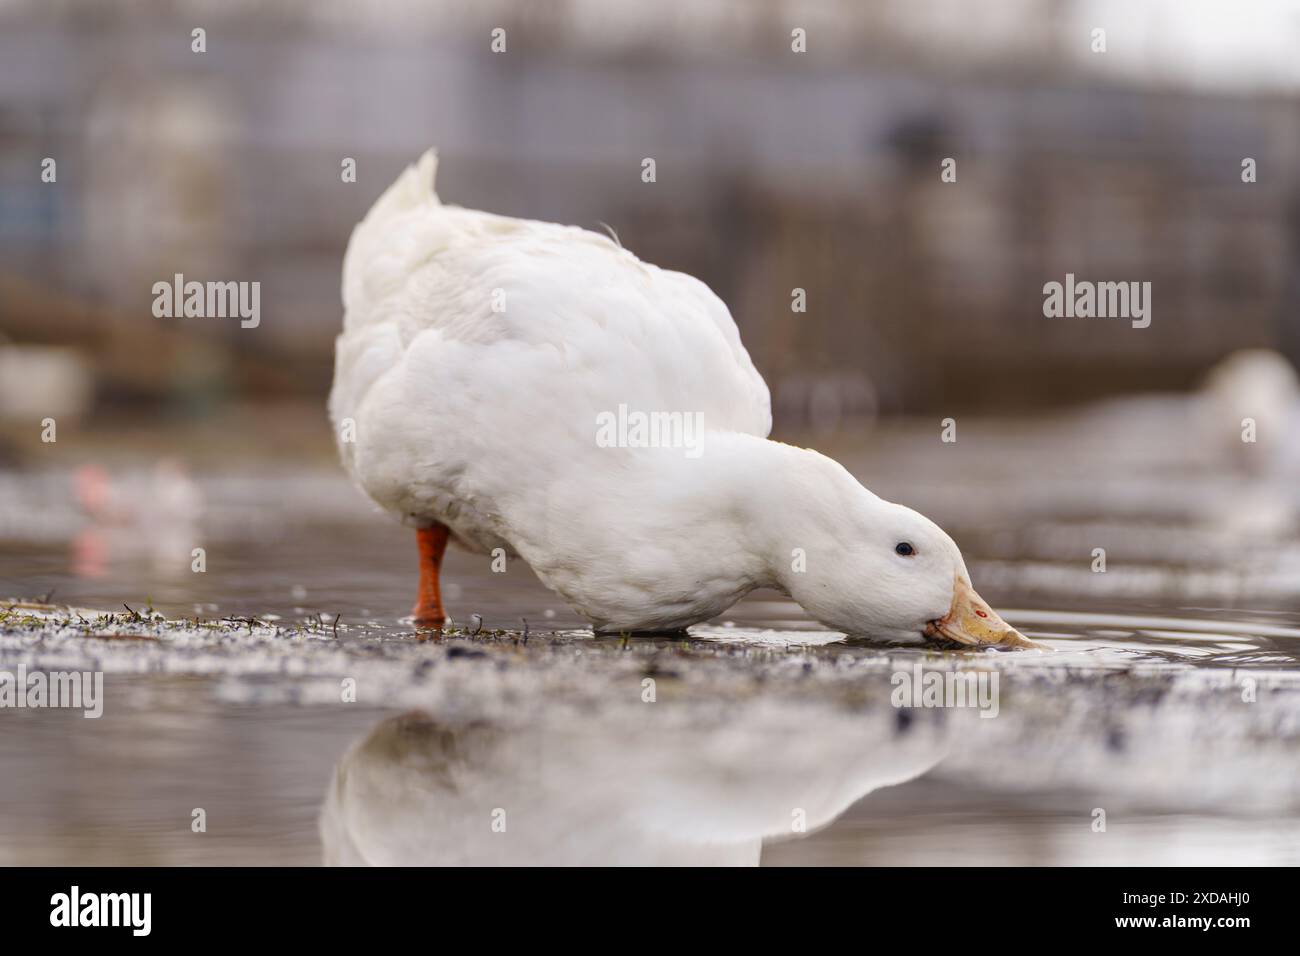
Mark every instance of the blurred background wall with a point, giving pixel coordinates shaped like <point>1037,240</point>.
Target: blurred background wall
<point>775,170</point>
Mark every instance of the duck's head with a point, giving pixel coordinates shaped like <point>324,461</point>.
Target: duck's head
<point>879,569</point>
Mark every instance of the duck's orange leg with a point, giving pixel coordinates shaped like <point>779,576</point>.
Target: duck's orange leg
<point>428,605</point>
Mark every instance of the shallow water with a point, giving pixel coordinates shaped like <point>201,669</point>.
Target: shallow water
<point>1170,698</point>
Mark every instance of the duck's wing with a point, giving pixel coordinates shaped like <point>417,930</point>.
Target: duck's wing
<point>554,312</point>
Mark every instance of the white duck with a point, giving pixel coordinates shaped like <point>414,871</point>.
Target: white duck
<point>484,365</point>
<point>1259,386</point>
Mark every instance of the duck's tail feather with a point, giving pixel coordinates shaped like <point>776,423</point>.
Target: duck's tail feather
<point>412,188</point>
<point>373,240</point>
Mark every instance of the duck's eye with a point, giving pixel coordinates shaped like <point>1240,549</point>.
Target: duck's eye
<point>905,549</point>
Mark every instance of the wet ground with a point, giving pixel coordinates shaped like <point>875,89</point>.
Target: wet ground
<point>283,696</point>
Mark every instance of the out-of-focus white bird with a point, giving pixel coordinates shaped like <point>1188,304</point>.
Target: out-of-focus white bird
<point>137,518</point>
<point>534,387</point>
<point>1249,411</point>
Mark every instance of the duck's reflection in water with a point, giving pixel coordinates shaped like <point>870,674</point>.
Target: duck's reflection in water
<point>423,791</point>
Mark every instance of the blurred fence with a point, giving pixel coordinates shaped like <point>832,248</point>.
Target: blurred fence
<point>775,170</point>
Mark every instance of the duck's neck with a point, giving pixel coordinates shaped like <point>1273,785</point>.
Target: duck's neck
<point>672,540</point>
<point>772,502</point>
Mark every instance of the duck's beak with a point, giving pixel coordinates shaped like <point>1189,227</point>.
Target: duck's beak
<point>971,621</point>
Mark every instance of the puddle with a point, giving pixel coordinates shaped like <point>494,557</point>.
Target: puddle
<point>1168,701</point>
